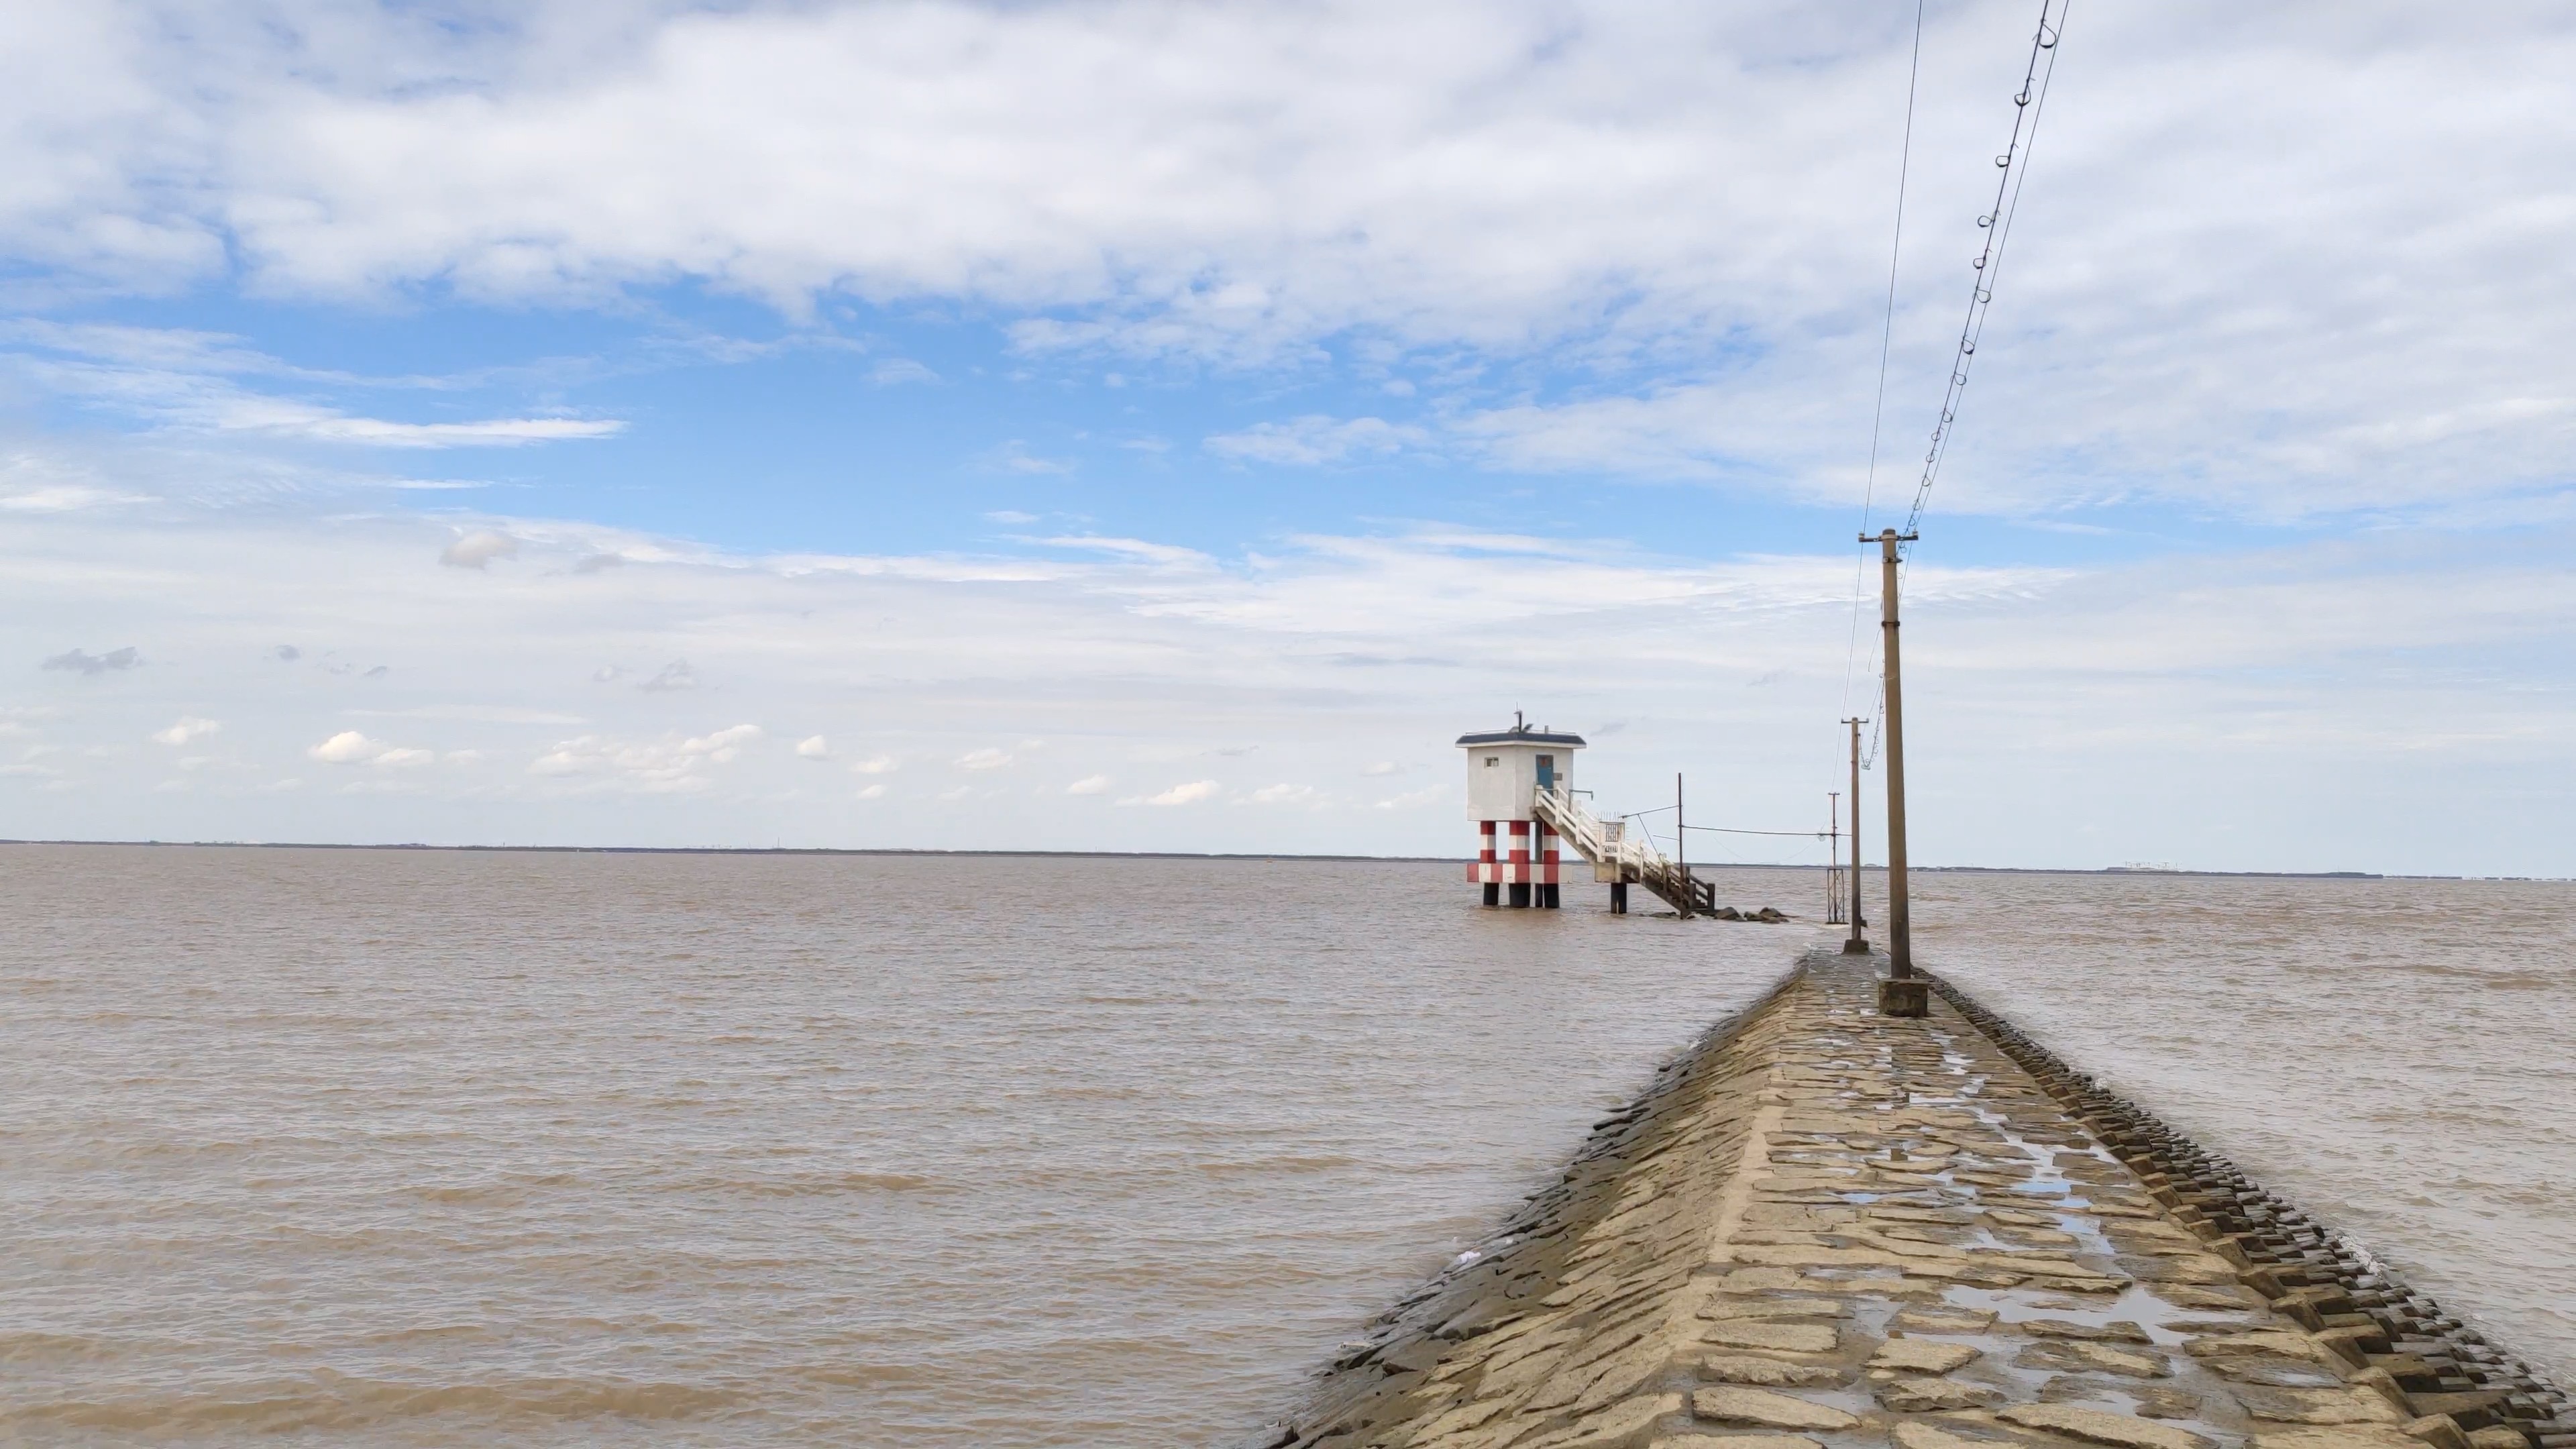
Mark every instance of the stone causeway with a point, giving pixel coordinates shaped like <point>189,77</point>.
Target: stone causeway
<point>1826,1229</point>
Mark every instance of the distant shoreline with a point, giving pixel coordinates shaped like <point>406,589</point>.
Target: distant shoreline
<point>1227,855</point>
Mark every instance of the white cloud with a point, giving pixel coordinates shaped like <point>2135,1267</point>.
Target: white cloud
<point>1282,794</point>
<point>2352,322</point>
<point>1447,167</point>
<point>872,792</point>
<point>1014,457</point>
<point>1088,785</point>
<point>2044,701</point>
<point>583,754</point>
<point>349,747</point>
<point>289,420</point>
<point>1315,440</point>
<point>895,371</point>
<point>345,748</point>
<point>63,498</point>
<point>478,713</point>
<point>984,759</point>
<point>1186,794</point>
<point>724,745</point>
<point>475,550</point>
<point>1383,767</point>
<point>1171,555</point>
<point>193,383</point>
<point>814,747</point>
<point>189,727</point>
<point>661,766</point>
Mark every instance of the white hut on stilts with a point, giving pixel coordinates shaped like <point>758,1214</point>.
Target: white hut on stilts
<point>1507,770</point>
<point>1520,793</point>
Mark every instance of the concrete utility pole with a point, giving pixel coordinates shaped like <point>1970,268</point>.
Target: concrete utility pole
<point>1902,993</point>
<point>1858,945</point>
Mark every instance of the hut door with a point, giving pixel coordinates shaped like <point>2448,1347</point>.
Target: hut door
<point>1547,772</point>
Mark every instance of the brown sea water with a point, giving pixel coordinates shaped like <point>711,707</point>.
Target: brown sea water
<point>430,1148</point>
<point>394,1148</point>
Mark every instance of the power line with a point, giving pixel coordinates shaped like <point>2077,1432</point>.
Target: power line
<point>1886,343</point>
<point>1725,829</point>
<point>2013,166</point>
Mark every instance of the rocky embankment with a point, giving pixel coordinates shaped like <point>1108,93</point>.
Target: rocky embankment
<point>1827,1228</point>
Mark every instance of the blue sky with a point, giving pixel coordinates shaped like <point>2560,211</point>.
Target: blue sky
<point>914,433</point>
<point>1147,427</point>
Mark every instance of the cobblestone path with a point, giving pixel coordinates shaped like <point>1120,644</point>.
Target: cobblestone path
<point>1829,1228</point>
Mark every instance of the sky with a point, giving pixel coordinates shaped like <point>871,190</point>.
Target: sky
<point>1161,427</point>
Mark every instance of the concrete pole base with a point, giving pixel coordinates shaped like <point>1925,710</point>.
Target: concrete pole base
<point>1856,946</point>
<point>1909,997</point>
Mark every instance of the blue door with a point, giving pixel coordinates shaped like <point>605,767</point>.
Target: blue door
<point>1547,772</point>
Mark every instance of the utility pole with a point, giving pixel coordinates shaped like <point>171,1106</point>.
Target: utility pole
<point>1681,848</point>
<point>1902,993</point>
<point>1834,857</point>
<point>1858,945</point>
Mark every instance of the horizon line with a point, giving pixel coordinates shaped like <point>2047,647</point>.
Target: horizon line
<point>891,850</point>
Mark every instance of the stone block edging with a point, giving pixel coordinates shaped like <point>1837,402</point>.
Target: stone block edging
<point>2307,1270</point>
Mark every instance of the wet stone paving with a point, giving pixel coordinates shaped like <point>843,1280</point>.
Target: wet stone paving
<point>1832,1228</point>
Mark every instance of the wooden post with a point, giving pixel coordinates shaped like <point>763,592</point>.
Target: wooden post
<point>1834,857</point>
<point>1858,944</point>
<point>1901,994</point>
<point>1681,848</point>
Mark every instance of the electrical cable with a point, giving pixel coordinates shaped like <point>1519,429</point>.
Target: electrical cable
<point>1886,344</point>
<point>2029,103</point>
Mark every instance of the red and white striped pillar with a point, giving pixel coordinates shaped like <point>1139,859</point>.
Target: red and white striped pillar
<point>1486,871</point>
